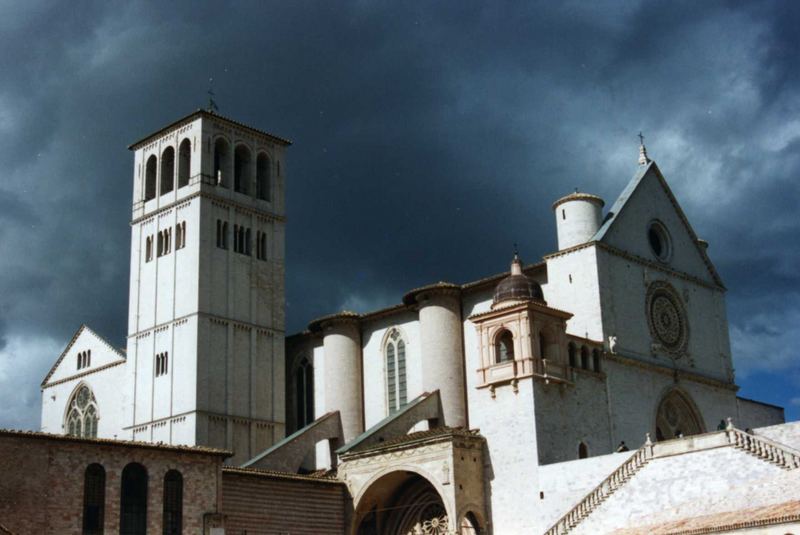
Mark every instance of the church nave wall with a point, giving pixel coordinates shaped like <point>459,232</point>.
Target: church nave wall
<point>374,352</point>
<point>629,315</point>
<point>573,285</point>
<point>567,416</point>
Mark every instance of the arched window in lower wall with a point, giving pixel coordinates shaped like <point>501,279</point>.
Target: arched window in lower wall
<point>173,503</point>
<point>583,451</point>
<point>133,501</point>
<point>94,499</point>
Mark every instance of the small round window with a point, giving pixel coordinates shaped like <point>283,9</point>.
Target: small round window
<point>659,241</point>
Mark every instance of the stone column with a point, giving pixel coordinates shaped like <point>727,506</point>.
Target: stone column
<point>341,343</point>
<point>442,347</point>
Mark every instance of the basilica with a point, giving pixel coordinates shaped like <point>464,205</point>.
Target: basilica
<point>589,391</point>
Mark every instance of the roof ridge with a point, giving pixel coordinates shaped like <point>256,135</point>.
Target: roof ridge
<point>70,344</point>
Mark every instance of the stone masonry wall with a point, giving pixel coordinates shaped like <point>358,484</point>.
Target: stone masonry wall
<point>263,502</point>
<point>41,490</point>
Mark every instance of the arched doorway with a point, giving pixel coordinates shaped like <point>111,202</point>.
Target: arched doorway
<point>677,416</point>
<point>470,525</point>
<point>401,503</point>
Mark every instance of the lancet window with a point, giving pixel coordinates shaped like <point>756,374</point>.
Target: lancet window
<point>84,359</point>
<point>82,416</point>
<point>304,393</point>
<point>396,388</point>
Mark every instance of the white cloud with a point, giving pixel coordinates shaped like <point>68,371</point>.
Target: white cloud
<point>766,341</point>
<point>23,363</point>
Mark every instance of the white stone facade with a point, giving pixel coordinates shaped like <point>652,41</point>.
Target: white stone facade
<point>643,309</point>
<point>620,333</point>
<point>205,357</point>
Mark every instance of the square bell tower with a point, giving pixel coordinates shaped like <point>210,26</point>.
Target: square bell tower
<point>206,320</point>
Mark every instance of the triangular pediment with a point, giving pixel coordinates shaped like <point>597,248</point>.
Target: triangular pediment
<point>84,339</point>
<point>646,199</point>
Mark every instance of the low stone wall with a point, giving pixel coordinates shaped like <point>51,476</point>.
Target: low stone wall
<point>42,483</point>
<point>259,501</point>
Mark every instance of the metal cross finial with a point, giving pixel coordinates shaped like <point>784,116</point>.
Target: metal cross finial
<point>643,159</point>
<point>212,105</point>
<point>516,251</point>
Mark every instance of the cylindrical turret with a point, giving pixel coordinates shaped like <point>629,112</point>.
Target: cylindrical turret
<point>578,218</point>
<point>442,347</point>
<point>341,344</point>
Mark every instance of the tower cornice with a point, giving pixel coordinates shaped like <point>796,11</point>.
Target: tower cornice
<point>205,114</point>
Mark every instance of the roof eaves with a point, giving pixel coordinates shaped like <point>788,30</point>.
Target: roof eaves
<point>625,196</point>
<point>75,336</point>
<point>260,472</point>
<point>619,204</point>
<point>205,113</point>
<point>114,442</point>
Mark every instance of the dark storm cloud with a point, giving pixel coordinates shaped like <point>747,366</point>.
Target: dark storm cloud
<point>428,138</point>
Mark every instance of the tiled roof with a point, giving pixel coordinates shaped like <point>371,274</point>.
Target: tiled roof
<point>319,476</point>
<point>419,436</point>
<point>112,442</point>
<point>401,307</point>
<point>733,520</point>
<point>579,196</point>
<point>411,297</point>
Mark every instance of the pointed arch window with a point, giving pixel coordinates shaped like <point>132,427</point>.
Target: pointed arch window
<point>304,393</point>
<point>396,387</point>
<point>82,414</point>
<point>677,416</point>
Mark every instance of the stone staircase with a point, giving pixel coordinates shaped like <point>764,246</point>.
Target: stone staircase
<point>603,491</point>
<point>763,449</point>
<point>760,447</point>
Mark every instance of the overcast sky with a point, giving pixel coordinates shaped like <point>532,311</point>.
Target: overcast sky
<point>429,137</point>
